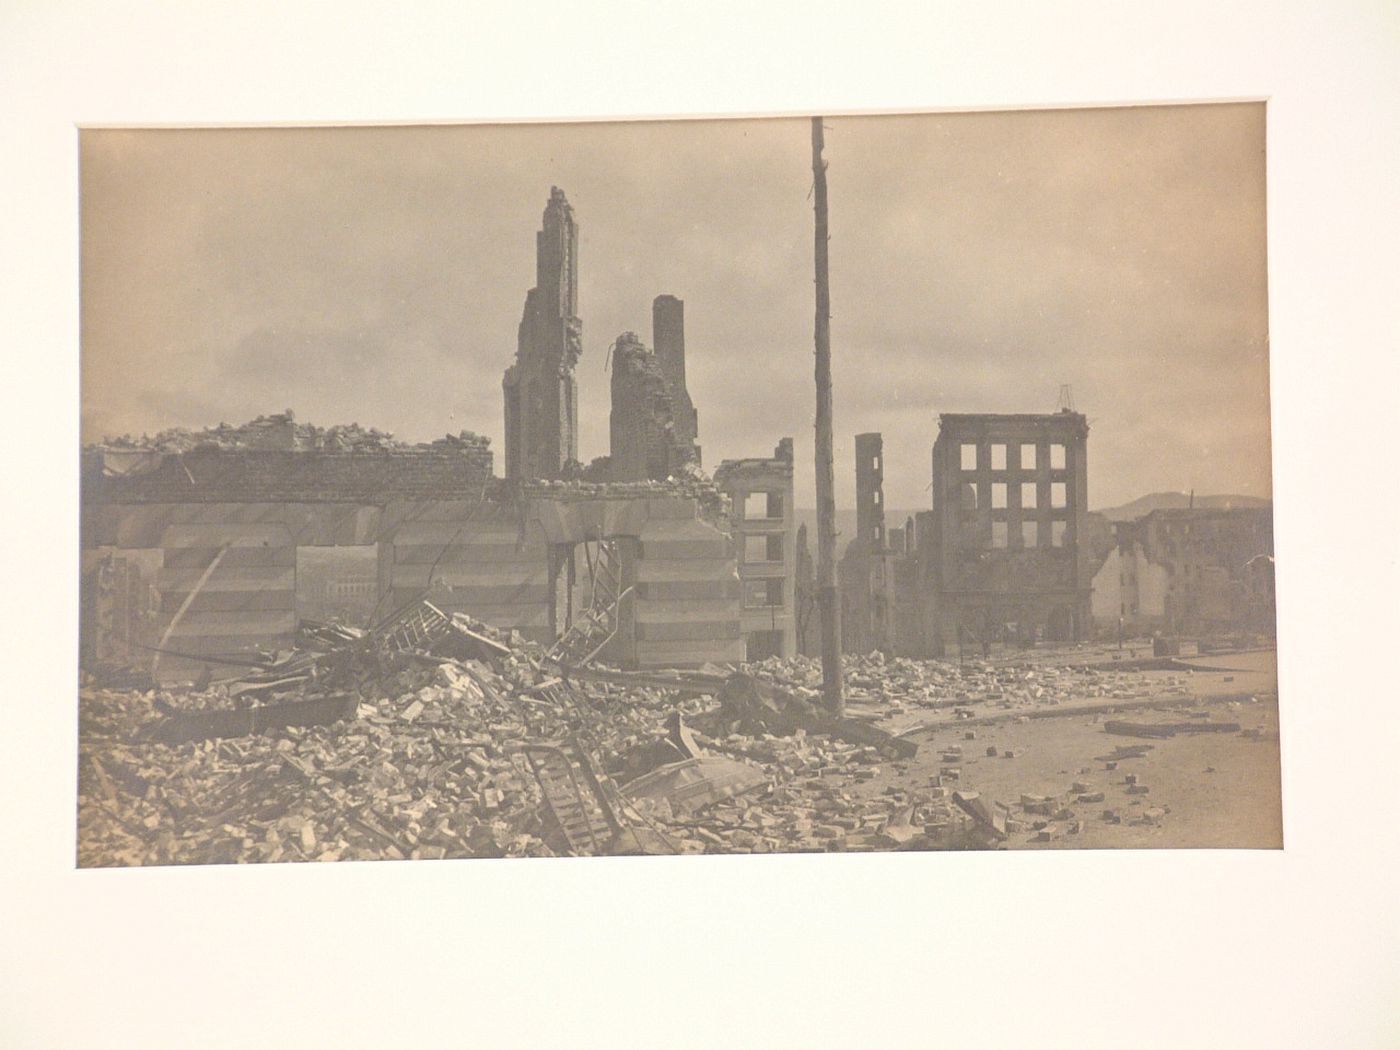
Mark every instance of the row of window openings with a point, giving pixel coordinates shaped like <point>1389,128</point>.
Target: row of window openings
<point>1031,532</point>
<point>1000,453</point>
<point>1030,495</point>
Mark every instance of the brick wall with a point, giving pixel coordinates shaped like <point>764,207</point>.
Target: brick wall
<point>644,440</point>
<point>219,476</point>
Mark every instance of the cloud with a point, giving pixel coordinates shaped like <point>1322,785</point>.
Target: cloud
<point>979,261</point>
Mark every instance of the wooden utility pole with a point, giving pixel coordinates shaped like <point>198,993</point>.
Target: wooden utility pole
<point>832,687</point>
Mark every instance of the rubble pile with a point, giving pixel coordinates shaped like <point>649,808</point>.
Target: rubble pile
<point>280,431</point>
<point>344,749</point>
<point>419,772</point>
<point>891,686</point>
<point>434,736</point>
<point>691,483</point>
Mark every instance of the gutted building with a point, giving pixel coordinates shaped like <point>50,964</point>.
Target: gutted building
<point>765,540</point>
<point>668,338</point>
<point>541,394</point>
<point>867,569</point>
<point>196,554</point>
<point>1189,570</point>
<point>1007,557</point>
<point>645,441</point>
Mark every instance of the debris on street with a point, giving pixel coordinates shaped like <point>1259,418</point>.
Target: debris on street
<point>435,736</point>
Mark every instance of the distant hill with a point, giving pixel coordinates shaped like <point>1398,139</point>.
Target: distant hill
<point>1177,500</point>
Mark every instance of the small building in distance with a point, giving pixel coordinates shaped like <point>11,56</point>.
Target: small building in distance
<point>765,538</point>
<point>1006,558</point>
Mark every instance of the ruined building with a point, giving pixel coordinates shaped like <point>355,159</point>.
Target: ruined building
<point>1006,558</point>
<point>1201,571</point>
<point>646,442</point>
<point>765,539</point>
<point>541,395</point>
<point>867,569</point>
<point>668,337</point>
<point>198,554</point>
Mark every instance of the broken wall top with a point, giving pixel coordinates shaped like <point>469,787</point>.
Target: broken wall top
<point>971,426</point>
<point>212,475</point>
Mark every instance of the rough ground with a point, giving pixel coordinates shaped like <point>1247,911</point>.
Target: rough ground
<point>423,769</point>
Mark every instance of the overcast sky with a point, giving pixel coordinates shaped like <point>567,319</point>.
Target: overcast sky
<point>978,262</point>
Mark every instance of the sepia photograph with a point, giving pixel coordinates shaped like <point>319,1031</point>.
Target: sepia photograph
<point>885,482</point>
<point>663,525</point>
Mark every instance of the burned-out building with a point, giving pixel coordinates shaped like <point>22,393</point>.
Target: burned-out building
<point>646,441</point>
<point>668,339</point>
<point>193,555</point>
<point>541,394</point>
<point>765,539</point>
<point>1006,557</point>
<point>867,568</point>
<point>1194,570</point>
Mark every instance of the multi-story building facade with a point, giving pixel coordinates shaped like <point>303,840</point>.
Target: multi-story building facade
<point>1007,557</point>
<point>765,538</point>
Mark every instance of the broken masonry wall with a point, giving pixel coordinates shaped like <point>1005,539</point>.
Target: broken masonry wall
<point>221,563</point>
<point>212,475</point>
<point>119,606</point>
<point>668,339</point>
<point>1205,553</point>
<point>764,530</point>
<point>227,582</point>
<point>539,390</point>
<point>870,479</point>
<point>866,570</point>
<point>644,443</point>
<point>684,608</point>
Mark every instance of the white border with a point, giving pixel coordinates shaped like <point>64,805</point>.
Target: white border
<point>1099,949</point>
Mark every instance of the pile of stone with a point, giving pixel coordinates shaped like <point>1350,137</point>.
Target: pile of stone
<point>890,686</point>
<point>420,771</point>
<point>416,756</point>
<point>280,431</point>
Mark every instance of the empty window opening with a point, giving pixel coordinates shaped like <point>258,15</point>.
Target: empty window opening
<point>969,457</point>
<point>755,549</point>
<point>337,583</point>
<point>1029,533</point>
<point>1057,533</point>
<point>999,534</point>
<point>1059,494</point>
<point>1057,457</point>
<point>998,495</point>
<point>763,594</point>
<point>759,506</point>
<point>1028,460</point>
<point>1028,494</point>
<point>998,457</point>
<point>876,497</point>
<point>968,499</point>
<point>875,464</point>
